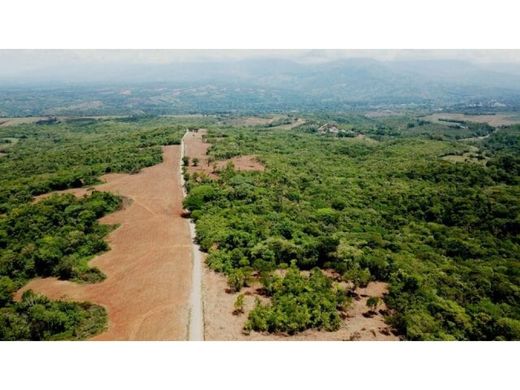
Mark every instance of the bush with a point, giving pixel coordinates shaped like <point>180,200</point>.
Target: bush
<point>299,303</point>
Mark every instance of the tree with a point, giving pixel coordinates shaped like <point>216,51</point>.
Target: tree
<point>195,161</point>
<point>373,303</point>
<point>7,288</point>
<point>239,304</point>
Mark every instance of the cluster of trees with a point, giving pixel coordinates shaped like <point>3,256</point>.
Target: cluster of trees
<point>36,317</point>
<point>443,235</point>
<point>298,302</point>
<point>54,237</point>
<point>57,236</point>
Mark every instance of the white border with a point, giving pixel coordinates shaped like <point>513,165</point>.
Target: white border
<point>256,24</point>
<point>259,365</point>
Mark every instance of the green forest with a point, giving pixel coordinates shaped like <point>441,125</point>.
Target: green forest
<point>57,236</point>
<point>432,209</point>
<point>375,200</point>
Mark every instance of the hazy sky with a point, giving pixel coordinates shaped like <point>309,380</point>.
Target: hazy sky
<point>13,62</point>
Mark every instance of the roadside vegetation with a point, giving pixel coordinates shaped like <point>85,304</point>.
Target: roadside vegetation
<point>444,235</point>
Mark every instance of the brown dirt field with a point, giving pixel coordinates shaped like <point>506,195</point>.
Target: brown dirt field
<point>296,123</point>
<point>504,119</point>
<point>221,324</point>
<point>4,122</point>
<point>148,267</point>
<point>18,121</point>
<point>253,120</point>
<point>195,147</point>
<point>243,163</point>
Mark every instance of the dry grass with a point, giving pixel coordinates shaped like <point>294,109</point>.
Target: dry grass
<point>499,119</point>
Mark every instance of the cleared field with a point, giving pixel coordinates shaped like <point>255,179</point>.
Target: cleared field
<point>465,157</point>
<point>253,120</point>
<point>195,147</point>
<point>499,119</point>
<point>4,122</point>
<point>148,267</point>
<point>289,126</point>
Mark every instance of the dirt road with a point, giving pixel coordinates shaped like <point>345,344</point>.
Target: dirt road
<point>196,320</point>
<point>149,266</point>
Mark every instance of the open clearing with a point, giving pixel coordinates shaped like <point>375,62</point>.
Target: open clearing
<point>4,122</point>
<point>149,265</point>
<point>195,147</point>
<point>253,120</point>
<point>468,157</point>
<point>289,126</point>
<point>499,119</point>
<point>221,324</point>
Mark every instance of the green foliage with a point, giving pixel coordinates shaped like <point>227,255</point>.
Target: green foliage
<point>239,278</point>
<point>373,302</point>
<point>59,235</point>
<point>199,195</point>
<point>37,318</point>
<point>445,236</point>
<point>75,153</point>
<point>239,304</point>
<point>54,237</point>
<point>299,303</point>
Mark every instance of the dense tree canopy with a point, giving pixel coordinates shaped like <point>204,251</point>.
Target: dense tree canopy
<point>384,206</point>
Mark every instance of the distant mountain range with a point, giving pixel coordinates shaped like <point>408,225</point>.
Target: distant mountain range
<point>264,85</point>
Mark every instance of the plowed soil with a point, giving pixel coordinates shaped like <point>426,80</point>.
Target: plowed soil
<point>149,264</point>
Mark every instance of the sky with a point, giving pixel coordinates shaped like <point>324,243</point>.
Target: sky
<point>44,66</point>
<point>16,61</point>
